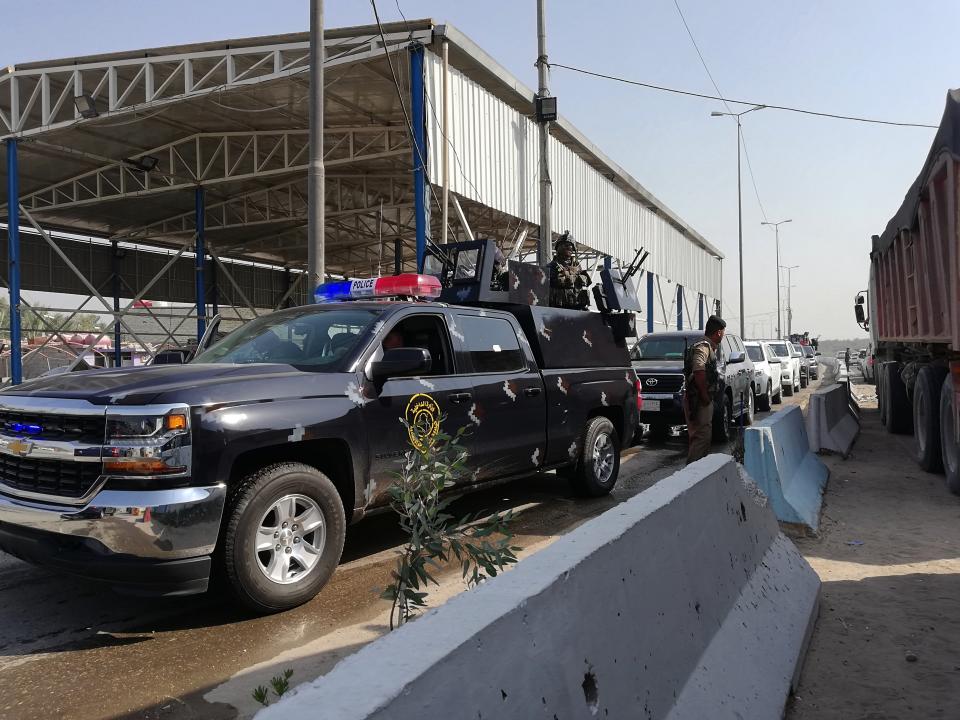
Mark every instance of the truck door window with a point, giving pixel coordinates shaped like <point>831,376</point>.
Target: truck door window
<point>492,344</point>
<point>430,333</point>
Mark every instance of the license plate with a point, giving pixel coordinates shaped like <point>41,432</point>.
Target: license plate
<point>651,405</point>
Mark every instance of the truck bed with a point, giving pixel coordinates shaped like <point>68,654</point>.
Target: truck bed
<point>915,278</point>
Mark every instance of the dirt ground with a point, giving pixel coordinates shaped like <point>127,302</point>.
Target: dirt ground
<point>887,643</point>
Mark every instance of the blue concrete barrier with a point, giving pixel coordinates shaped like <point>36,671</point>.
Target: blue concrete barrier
<point>777,456</point>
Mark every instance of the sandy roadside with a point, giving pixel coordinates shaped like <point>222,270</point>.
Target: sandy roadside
<point>887,643</point>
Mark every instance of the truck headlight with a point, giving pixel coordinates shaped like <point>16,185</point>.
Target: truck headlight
<point>147,444</point>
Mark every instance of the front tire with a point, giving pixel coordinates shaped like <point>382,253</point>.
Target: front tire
<point>748,410</point>
<point>803,381</point>
<point>284,536</point>
<point>788,390</point>
<point>897,407</point>
<point>596,472</point>
<point>722,420</point>
<point>763,403</point>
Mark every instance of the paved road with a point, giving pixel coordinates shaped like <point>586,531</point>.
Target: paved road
<point>73,649</point>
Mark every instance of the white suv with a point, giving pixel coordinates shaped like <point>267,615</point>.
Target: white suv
<point>789,366</point>
<point>766,372</point>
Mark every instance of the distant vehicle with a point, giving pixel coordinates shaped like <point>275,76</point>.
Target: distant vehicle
<point>796,351</point>
<point>172,356</point>
<point>912,308</point>
<point>658,361</point>
<point>810,356</point>
<point>766,374</point>
<point>790,366</point>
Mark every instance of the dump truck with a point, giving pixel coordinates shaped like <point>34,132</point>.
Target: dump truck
<point>912,308</point>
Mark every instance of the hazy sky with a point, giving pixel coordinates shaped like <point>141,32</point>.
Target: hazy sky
<point>839,181</point>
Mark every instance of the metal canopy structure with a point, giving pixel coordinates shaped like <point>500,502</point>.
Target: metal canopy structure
<point>134,147</point>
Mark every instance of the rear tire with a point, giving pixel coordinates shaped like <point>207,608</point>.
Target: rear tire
<point>926,418</point>
<point>596,472</point>
<point>252,507</point>
<point>763,403</point>
<point>899,411</point>
<point>949,448</point>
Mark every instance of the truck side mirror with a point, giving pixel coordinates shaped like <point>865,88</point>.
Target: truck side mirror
<point>736,357</point>
<point>858,311</point>
<point>398,362</point>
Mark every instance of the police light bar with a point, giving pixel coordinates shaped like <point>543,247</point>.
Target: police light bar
<point>411,284</point>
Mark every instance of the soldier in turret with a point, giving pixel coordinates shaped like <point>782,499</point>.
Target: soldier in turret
<point>568,281</point>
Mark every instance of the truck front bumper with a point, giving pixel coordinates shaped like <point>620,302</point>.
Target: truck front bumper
<point>156,542</point>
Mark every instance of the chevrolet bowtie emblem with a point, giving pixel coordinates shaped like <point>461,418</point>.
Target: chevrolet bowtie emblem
<point>20,447</point>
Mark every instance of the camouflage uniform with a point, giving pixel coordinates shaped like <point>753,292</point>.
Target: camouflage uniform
<point>566,285</point>
<point>700,356</point>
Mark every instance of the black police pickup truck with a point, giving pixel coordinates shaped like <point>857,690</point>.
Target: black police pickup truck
<point>252,459</point>
<point>658,360</point>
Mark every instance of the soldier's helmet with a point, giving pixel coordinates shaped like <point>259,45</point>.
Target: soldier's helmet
<point>565,240</point>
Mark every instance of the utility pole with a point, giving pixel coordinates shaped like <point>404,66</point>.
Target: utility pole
<point>316,236</point>
<point>543,120</point>
<point>776,230</point>
<point>716,113</point>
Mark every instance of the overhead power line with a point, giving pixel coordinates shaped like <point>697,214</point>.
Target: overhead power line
<point>743,139</point>
<point>661,88</point>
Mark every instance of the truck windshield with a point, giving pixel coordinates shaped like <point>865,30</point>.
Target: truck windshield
<point>780,349</point>
<point>755,353</point>
<point>659,348</point>
<point>307,338</point>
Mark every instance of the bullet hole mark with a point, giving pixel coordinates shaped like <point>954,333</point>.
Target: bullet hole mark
<point>590,693</point>
<point>743,513</point>
<point>503,694</point>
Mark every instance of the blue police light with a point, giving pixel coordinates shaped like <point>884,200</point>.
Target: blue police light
<point>407,284</point>
<point>25,428</point>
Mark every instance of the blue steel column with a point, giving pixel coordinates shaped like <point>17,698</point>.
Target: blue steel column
<point>679,307</point>
<point>13,254</point>
<point>117,338</point>
<point>201,253</point>
<point>701,301</point>
<point>649,301</point>
<point>418,120</point>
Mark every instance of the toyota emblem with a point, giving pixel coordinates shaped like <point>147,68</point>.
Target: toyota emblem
<point>651,381</point>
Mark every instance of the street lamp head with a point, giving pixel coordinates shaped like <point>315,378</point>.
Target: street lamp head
<point>717,113</point>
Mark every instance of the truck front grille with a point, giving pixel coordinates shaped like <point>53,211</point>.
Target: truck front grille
<point>88,429</point>
<point>663,384</point>
<point>50,477</point>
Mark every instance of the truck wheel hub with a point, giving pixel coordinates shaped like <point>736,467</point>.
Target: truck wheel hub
<point>290,539</point>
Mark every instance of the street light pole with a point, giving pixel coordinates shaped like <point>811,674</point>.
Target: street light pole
<point>717,113</point>
<point>789,303</point>
<point>776,230</point>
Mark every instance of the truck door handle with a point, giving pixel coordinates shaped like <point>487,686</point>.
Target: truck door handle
<point>459,397</point>
<point>531,391</point>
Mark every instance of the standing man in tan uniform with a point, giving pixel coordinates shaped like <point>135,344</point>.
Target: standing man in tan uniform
<point>702,377</point>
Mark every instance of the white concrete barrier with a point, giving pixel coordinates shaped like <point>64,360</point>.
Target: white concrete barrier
<point>832,423</point>
<point>685,602</point>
